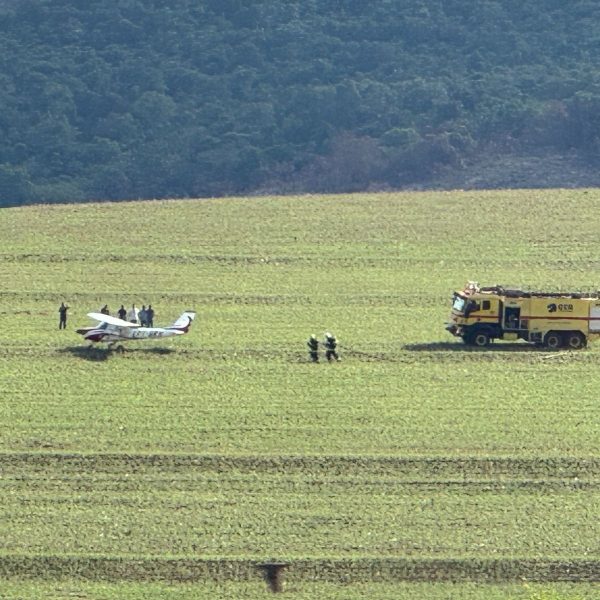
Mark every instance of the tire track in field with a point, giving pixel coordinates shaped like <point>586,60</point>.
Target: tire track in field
<point>227,260</point>
<point>415,300</point>
<point>360,570</point>
<point>437,352</point>
<point>426,469</point>
<point>106,484</point>
<point>396,260</point>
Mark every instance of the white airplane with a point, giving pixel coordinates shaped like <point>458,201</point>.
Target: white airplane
<point>112,330</point>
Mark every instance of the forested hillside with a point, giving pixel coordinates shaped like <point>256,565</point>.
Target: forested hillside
<point>115,99</point>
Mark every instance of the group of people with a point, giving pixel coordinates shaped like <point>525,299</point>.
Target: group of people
<point>330,344</point>
<point>143,316</point>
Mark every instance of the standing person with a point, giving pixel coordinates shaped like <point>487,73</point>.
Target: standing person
<point>330,346</point>
<point>150,316</point>
<point>143,316</point>
<point>132,316</point>
<point>313,348</point>
<point>122,313</point>
<point>104,310</point>
<point>62,312</point>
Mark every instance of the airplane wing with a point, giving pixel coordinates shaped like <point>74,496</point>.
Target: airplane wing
<point>111,320</point>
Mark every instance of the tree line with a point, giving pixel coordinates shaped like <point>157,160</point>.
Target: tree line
<point>127,99</point>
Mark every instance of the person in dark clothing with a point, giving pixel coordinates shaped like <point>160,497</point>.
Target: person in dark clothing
<point>150,316</point>
<point>62,312</point>
<point>122,312</point>
<point>330,347</point>
<point>104,310</point>
<point>143,316</point>
<point>313,348</point>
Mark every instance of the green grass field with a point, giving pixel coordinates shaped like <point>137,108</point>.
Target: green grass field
<point>415,467</point>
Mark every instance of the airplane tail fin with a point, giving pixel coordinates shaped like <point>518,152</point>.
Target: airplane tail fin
<point>184,321</point>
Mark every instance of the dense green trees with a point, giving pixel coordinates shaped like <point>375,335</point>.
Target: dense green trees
<point>141,98</point>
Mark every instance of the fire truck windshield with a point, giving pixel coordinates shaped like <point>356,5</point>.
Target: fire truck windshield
<point>459,303</point>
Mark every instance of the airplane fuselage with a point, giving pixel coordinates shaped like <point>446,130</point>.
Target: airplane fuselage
<point>111,333</point>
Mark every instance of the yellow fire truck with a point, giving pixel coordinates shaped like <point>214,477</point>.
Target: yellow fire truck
<point>482,314</point>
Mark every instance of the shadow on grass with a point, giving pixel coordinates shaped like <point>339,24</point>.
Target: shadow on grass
<point>153,350</point>
<point>461,347</point>
<point>99,354</point>
<point>88,352</point>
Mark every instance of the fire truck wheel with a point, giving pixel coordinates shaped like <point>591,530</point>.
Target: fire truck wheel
<point>481,339</point>
<point>553,340</point>
<point>575,340</point>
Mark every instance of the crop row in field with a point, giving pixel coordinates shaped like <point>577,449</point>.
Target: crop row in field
<point>570,470</point>
<point>349,571</point>
<point>67,589</point>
